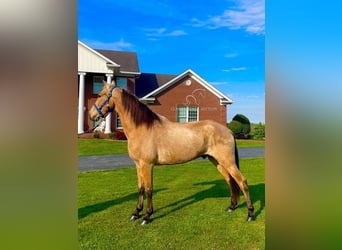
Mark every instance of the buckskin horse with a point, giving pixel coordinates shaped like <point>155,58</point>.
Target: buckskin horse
<point>154,140</point>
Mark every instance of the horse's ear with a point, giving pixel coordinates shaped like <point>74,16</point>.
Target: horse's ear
<point>104,82</point>
<point>113,83</point>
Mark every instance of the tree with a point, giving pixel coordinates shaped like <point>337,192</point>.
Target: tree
<point>240,126</point>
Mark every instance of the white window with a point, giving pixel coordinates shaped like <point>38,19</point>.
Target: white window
<point>187,114</point>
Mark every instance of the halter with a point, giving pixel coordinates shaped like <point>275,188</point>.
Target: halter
<point>105,102</point>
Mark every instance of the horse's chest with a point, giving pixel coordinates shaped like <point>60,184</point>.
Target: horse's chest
<point>141,151</point>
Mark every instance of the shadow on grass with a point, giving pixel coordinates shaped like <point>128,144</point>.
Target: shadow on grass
<point>217,189</point>
<point>98,207</point>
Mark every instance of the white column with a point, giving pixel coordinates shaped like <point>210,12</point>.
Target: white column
<point>108,117</point>
<point>81,102</point>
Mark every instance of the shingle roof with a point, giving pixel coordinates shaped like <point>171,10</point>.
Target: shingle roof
<point>127,60</point>
<point>147,82</point>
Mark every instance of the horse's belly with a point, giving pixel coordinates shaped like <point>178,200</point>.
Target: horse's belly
<point>175,157</point>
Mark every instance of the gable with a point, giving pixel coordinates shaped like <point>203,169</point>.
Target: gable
<point>189,75</point>
<point>91,61</point>
<point>187,92</point>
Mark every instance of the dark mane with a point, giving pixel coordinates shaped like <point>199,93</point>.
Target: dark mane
<point>139,112</point>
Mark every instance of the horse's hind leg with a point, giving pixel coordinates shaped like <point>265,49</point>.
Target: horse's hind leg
<point>234,188</point>
<point>242,182</point>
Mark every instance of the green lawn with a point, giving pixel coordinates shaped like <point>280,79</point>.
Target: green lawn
<point>87,147</point>
<point>189,203</point>
<point>250,143</point>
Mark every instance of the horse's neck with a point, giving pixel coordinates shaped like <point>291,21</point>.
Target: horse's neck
<point>125,118</point>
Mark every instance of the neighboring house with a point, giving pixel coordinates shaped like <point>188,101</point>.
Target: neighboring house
<point>180,98</point>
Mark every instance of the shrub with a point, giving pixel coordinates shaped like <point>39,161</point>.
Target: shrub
<point>111,135</point>
<point>259,131</point>
<point>235,127</point>
<point>240,126</point>
<point>120,135</point>
<point>96,134</point>
<point>246,125</point>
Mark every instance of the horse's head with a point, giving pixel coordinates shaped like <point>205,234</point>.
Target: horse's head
<point>104,103</point>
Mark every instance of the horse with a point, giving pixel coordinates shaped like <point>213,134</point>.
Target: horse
<point>154,140</point>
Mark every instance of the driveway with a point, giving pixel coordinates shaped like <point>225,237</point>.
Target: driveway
<point>103,162</point>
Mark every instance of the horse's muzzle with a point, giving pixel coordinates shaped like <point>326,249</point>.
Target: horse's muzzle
<point>93,115</point>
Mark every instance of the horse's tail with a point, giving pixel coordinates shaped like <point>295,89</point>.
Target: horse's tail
<point>236,156</point>
<point>235,187</point>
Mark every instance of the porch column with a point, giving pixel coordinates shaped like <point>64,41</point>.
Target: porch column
<point>81,102</point>
<point>108,117</point>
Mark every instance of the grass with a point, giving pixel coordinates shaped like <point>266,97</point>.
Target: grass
<point>250,143</point>
<point>87,147</point>
<point>189,203</point>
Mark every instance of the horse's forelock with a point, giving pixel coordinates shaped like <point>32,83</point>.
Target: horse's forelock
<point>140,113</point>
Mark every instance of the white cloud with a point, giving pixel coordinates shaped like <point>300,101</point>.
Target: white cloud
<point>152,33</point>
<point>234,69</point>
<point>118,45</point>
<point>248,15</point>
<point>177,33</point>
<point>219,83</point>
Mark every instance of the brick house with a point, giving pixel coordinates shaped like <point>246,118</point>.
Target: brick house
<point>180,98</point>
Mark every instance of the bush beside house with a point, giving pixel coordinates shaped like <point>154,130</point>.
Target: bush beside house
<point>243,129</point>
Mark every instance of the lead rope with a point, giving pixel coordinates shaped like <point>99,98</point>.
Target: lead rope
<point>92,129</point>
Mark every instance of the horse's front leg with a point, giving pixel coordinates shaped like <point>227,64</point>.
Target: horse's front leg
<point>141,190</point>
<point>147,177</point>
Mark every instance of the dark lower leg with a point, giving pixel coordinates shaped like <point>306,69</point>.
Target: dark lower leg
<point>235,193</point>
<point>140,204</point>
<point>149,210</point>
<point>250,216</point>
<point>232,205</point>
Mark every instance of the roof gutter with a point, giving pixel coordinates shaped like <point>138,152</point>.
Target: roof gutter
<point>225,102</point>
<point>130,74</point>
<point>148,100</point>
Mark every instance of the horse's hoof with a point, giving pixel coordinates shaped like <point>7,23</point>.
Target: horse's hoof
<point>133,217</point>
<point>250,218</point>
<point>230,209</point>
<point>144,222</point>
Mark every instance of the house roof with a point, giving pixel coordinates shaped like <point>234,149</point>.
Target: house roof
<point>128,61</point>
<point>148,82</point>
<point>171,81</point>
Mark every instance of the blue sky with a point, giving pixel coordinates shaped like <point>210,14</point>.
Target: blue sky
<point>222,41</point>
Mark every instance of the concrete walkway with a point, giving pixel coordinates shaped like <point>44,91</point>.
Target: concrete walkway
<point>87,163</point>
